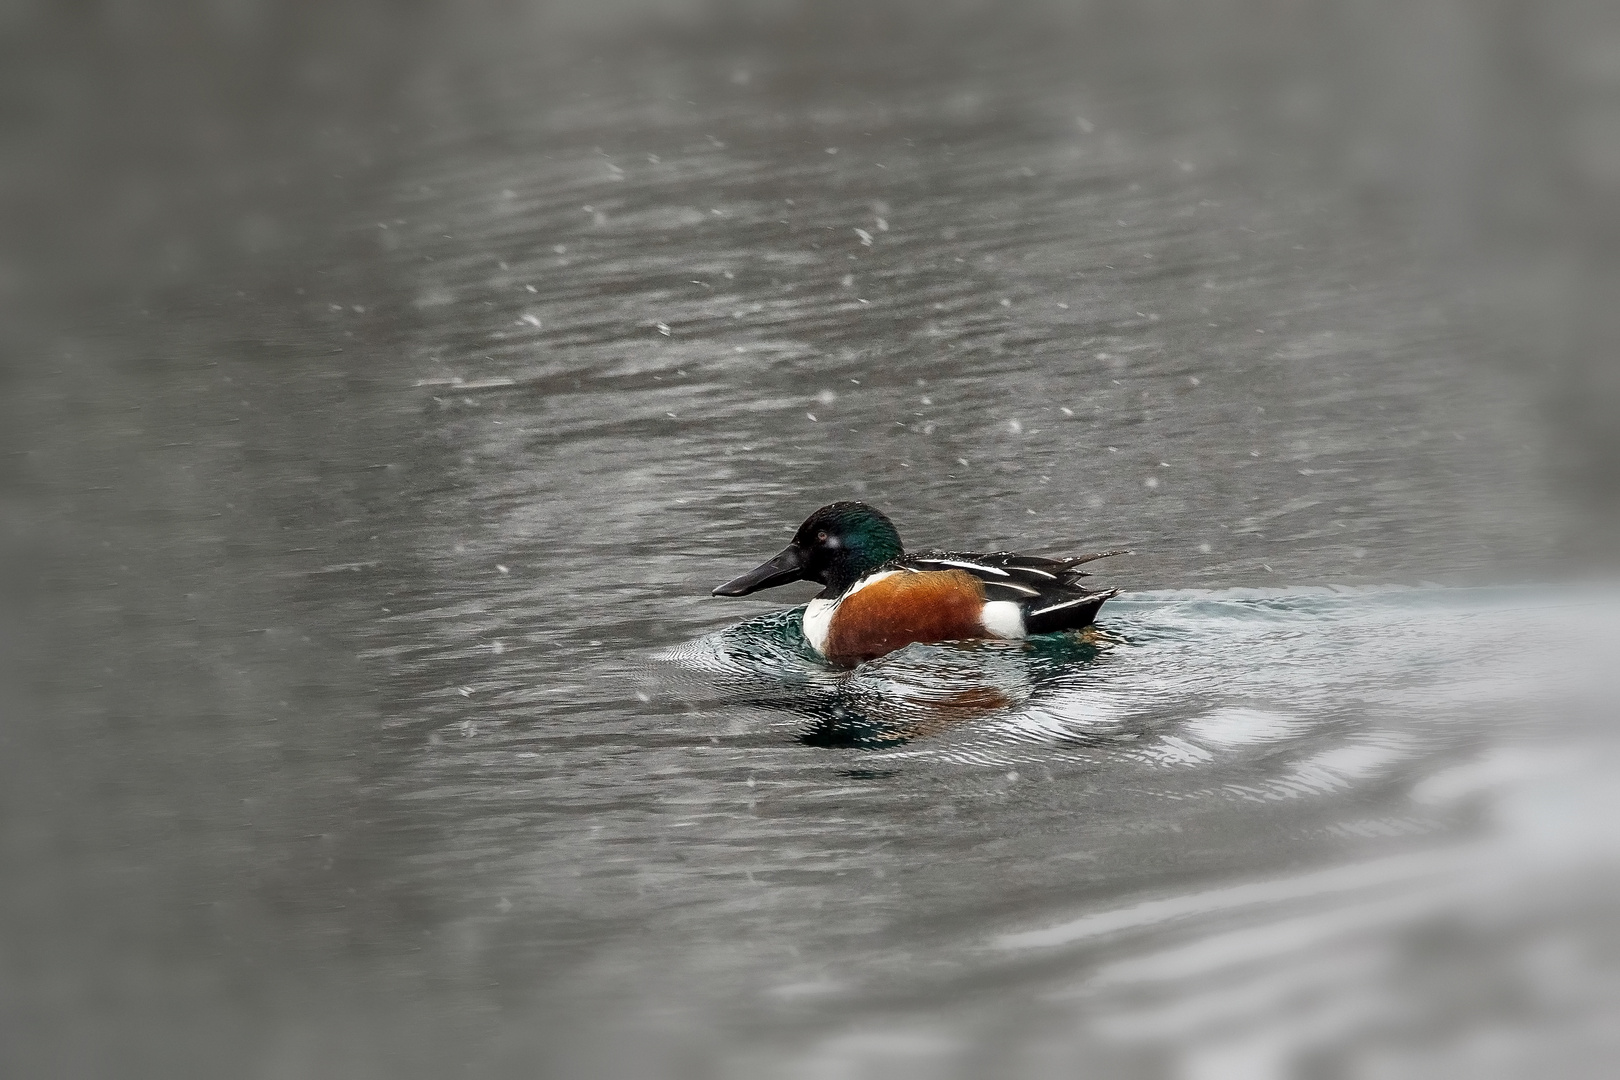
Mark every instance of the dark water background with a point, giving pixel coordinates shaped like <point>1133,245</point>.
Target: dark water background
<point>385,393</point>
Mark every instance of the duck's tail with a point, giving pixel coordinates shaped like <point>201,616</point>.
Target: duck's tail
<point>1069,611</point>
<point>1069,564</point>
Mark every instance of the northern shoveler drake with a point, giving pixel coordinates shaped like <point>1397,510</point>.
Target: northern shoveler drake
<point>878,599</point>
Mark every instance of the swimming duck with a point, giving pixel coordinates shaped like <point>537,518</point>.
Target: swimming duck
<point>878,599</point>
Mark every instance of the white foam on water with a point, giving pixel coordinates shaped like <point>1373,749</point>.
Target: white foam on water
<point>1237,725</point>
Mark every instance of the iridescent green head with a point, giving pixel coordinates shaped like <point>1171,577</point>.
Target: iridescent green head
<point>836,546</point>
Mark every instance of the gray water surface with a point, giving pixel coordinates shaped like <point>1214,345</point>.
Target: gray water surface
<point>373,718</point>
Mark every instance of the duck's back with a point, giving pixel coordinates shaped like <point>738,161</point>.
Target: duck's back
<point>1047,592</point>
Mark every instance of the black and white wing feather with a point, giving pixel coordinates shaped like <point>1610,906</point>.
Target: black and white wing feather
<point>1047,590</point>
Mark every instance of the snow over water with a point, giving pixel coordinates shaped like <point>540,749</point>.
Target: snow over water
<point>383,722</point>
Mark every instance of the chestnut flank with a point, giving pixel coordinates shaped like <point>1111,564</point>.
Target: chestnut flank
<point>886,615</point>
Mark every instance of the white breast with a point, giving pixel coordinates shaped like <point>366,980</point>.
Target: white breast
<point>818,623</point>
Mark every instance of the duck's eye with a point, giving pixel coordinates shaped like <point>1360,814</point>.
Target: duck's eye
<point>822,535</point>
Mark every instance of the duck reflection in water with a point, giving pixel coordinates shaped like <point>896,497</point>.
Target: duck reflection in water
<point>925,690</point>
<point>915,692</point>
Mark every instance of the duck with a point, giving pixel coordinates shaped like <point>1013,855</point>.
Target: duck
<point>876,598</point>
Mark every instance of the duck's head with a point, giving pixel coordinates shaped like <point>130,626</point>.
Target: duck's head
<point>836,546</point>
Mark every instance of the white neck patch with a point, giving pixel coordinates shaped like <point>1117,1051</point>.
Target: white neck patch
<point>818,623</point>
